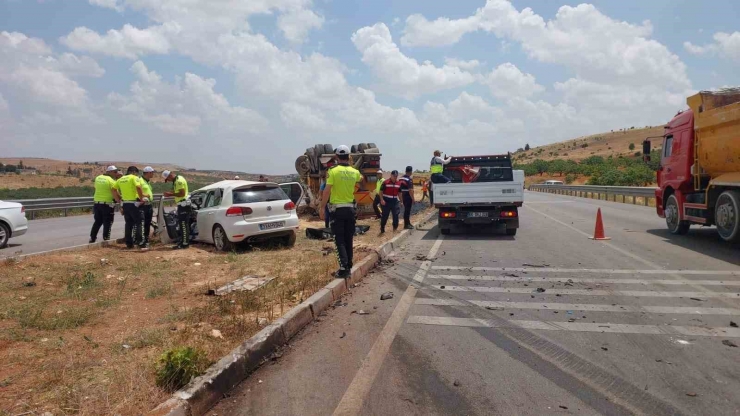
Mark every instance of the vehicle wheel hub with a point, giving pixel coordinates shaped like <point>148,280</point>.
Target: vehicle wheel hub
<point>671,215</point>
<point>219,238</point>
<point>725,216</point>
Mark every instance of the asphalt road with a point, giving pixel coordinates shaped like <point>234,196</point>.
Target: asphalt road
<point>547,322</point>
<point>55,233</point>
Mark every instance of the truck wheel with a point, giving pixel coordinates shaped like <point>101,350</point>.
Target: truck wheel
<point>675,226</point>
<point>362,147</point>
<point>727,216</point>
<point>371,146</point>
<point>220,239</point>
<point>353,149</point>
<point>328,149</point>
<point>511,231</point>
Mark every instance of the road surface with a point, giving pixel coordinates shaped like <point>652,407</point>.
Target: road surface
<point>55,233</point>
<point>547,322</point>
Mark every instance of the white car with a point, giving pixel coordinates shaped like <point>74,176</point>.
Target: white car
<point>13,222</point>
<point>235,211</point>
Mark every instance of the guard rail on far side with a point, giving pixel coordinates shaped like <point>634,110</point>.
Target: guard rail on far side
<point>601,192</point>
<point>62,204</point>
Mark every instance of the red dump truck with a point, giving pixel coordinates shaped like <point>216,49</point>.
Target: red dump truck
<point>699,173</point>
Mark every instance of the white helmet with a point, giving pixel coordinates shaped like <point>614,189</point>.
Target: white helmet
<point>149,169</point>
<point>165,174</point>
<point>342,150</point>
<point>111,168</point>
<point>236,178</point>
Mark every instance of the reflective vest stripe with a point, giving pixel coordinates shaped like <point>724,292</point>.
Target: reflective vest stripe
<point>436,167</point>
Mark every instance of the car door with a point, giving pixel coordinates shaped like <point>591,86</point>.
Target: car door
<point>207,215</point>
<point>294,190</point>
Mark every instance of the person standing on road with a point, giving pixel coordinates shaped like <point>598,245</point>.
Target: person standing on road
<point>184,209</point>
<point>424,190</point>
<point>128,190</point>
<point>407,197</point>
<point>147,211</point>
<point>103,204</point>
<point>378,199</point>
<point>340,195</point>
<point>391,188</point>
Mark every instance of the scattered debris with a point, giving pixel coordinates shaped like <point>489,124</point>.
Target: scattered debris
<point>535,265</point>
<point>511,275</point>
<point>361,312</point>
<point>386,296</point>
<point>557,295</point>
<point>259,381</point>
<point>540,290</point>
<point>563,407</point>
<point>605,348</point>
<point>32,284</point>
<point>570,312</point>
<point>245,284</point>
<point>126,346</point>
<point>646,387</point>
<point>216,334</point>
<point>103,262</point>
<point>733,324</point>
<point>344,334</point>
<point>276,355</point>
<point>691,394</point>
<point>572,320</point>
<point>456,383</point>
<point>729,343</point>
<point>658,360</point>
<point>494,308</point>
<point>697,299</point>
<point>441,287</point>
<point>682,342</point>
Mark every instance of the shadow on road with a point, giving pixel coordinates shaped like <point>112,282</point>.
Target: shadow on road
<point>704,241</point>
<point>470,234</point>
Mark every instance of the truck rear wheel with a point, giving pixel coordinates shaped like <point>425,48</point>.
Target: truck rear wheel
<point>673,217</point>
<point>727,216</point>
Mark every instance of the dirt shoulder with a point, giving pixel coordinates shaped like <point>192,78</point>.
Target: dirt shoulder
<point>81,332</point>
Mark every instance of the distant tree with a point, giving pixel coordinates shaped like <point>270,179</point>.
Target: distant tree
<point>526,146</point>
<point>69,170</point>
<point>569,179</point>
<point>632,128</point>
<point>584,145</point>
<point>632,146</point>
<point>541,166</point>
<point>20,165</point>
<point>11,168</point>
<point>519,150</point>
<point>558,166</point>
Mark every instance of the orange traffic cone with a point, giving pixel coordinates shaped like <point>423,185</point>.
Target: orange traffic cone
<point>599,231</point>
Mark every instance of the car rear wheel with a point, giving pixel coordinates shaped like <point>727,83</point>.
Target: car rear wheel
<point>289,240</point>
<point>220,239</point>
<point>673,217</point>
<point>727,216</point>
<point>4,235</point>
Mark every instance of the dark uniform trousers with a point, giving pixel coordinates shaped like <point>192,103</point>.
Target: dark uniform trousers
<point>377,206</point>
<point>132,216</point>
<point>183,216</point>
<point>343,226</point>
<point>407,203</point>
<point>390,207</point>
<point>103,214</point>
<point>146,212</point>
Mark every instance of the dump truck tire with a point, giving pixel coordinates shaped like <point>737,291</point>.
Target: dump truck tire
<point>353,149</point>
<point>727,216</point>
<point>328,149</point>
<point>372,146</point>
<point>303,165</point>
<point>362,147</point>
<point>313,159</point>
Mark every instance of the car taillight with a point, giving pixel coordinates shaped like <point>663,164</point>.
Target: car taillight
<point>23,209</point>
<point>448,214</point>
<point>508,214</point>
<point>238,211</point>
<point>290,206</point>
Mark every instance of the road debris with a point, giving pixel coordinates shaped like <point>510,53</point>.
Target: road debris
<point>540,290</point>
<point>729,343</point>
<point>511,275</point>
<point>361,312</point>
<point>103,262</point>
<point>605,348</point>
<point>535,265</point>
<point>441,287</point>
<point>494,308</point>
<point>29,284</point>
<point>344,334</point>
<point>691,394</point>
<point>697,299</point>
<point>563,407</point>
<point>386,296</point>
<point>733,324</point>
<point>456,383</point>
<point>216,334</point>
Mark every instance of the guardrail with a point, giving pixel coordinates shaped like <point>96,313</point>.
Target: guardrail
<point>589,191</point>
<point>63,204</point>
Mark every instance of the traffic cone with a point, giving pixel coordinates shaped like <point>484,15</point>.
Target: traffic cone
<point>599,231</point>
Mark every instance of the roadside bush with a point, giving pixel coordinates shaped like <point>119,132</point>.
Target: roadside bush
<point>178,366</point>
<point>569,179</point>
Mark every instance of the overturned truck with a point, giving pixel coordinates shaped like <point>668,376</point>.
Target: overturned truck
<point>316,161</point>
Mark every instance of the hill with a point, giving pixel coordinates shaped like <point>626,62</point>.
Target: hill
<point>615,144</point>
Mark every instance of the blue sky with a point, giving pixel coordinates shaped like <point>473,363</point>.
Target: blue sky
<point>268,78</point>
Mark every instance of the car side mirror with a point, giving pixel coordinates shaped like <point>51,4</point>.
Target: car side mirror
<point>646,151</point>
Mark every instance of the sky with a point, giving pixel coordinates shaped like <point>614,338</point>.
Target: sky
<point>248,85</point>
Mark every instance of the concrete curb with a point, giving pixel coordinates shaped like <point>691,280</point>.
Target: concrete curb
<point>205,391</point>
<point>80,247</point>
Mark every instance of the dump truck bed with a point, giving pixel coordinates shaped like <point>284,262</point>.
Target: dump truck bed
<point>717,129</point>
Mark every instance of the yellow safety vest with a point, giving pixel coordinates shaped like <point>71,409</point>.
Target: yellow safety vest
<point>436,167</point>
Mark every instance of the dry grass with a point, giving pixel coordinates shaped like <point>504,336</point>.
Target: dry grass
<point>82,336</point>
<point>604,144</point>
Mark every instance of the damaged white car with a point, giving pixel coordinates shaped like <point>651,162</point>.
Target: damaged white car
<point>230,212</point>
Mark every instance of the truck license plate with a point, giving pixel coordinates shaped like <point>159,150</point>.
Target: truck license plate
<point>477,214</point>
<point>272,225</point>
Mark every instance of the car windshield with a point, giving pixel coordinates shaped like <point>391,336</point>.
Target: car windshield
<point>258,194</point>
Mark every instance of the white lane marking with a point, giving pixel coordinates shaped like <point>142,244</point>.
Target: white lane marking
<point>354,397</point>
<point>580,280</point>
<point>600,271</point>
<point>580,292</point>
<point>581,307</point>
<point>579,326</point>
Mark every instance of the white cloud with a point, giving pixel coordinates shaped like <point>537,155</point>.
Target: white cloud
<point>725,44</point>
<point>50,87</point>
<point>182,107</point>
<point>400,74</point>
<point>296,24</point>
<point>466,65</point>
<point>443,31</point>
<point>108,4</point>
<point>507,80</point>
<point>128,42</point>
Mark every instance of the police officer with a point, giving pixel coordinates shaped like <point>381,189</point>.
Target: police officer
<point>147,211</point>
<point>128,190</point>
<point>407,197</point>
<point>391,189</point>
<point>184,210</point>
<point>340,195</point>
<point>103,208</point>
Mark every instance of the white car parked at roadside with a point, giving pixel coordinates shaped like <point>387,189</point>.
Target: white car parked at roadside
<point>13,222</point>
<point>235,211</point>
